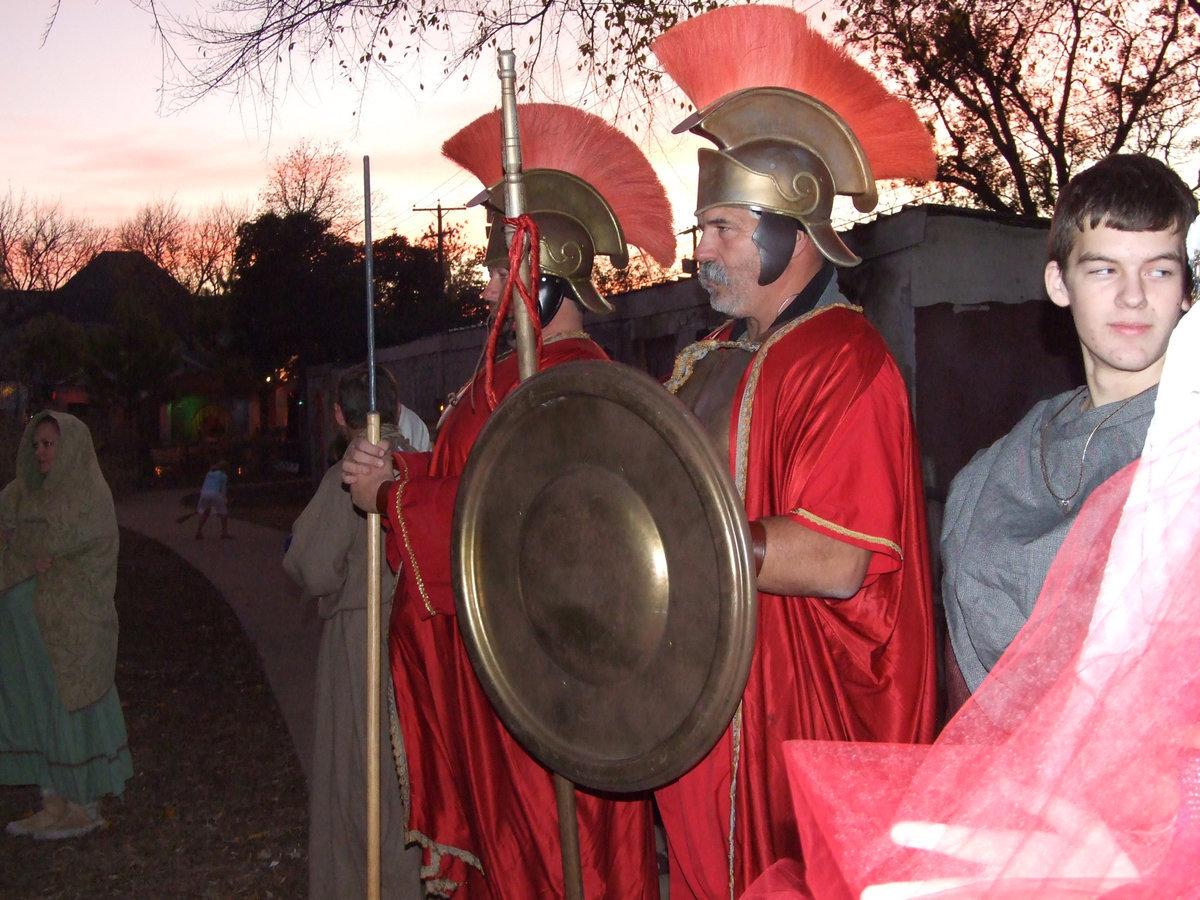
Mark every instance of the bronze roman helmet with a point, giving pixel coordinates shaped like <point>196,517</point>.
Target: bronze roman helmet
<point>575,225</point>
<point>795,120</point>
<point>588,187</point>
<point>793,173</point>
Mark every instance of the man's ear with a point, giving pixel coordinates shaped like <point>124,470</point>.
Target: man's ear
<point>1056,287</point>
<point>802,241</point>
<point>338,416</point>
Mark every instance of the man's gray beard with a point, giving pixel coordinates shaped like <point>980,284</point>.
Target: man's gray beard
<point>711,275</point>
<point>726,306</point>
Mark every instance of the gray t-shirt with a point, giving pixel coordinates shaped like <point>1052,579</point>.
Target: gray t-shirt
<point>1003,526</point>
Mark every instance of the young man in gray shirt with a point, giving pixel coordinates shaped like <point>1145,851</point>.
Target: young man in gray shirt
<point>1119,264</point>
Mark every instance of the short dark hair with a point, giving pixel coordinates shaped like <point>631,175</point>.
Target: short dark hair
<point>1127,192</point>
<point>352,393</point>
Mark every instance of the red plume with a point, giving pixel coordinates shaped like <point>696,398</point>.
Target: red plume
<point>738,47</point>
<point>570,140</point>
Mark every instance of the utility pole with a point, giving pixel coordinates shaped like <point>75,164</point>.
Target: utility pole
<point>688,264</point>
<point>441,237</point>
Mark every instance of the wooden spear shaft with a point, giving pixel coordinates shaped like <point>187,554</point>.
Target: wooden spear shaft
<point>374,571</point>
<point>514,206</point>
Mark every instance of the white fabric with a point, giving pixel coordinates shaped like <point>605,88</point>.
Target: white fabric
<point>1156,499</point>
<point>414,429</point>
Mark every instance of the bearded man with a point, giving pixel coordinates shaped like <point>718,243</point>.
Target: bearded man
<point>802,394</point>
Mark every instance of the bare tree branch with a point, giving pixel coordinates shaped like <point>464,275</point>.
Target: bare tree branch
<point>1025,92</point>
<point>261,45</point>
<point>312,179</point>
<point>42,247</point>
<point>208,250</point>
<point>158,230</point>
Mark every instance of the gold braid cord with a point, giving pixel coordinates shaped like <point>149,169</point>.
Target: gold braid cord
<point>402,479</point>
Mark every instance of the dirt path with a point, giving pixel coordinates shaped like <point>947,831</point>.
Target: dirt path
<point>248,570</point>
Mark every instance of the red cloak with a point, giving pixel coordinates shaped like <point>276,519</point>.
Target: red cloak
<point>484,810</point>
<point>820,431</point>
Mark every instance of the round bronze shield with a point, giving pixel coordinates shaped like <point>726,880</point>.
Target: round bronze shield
<point>603,576</point>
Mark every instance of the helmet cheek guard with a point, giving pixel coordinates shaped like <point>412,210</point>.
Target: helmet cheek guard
<point>775,238</point>
<point>550,293</point>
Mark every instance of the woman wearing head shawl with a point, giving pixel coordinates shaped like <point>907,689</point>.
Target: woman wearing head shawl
<point>61,726</point>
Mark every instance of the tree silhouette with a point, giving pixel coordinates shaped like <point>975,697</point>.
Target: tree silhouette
<point>158,230</point>
<point>414,295</point>
<point>208,247</point>
<point>462,269</point>
<point>1024,93</point>
<point>41,247</point>
<point>49,351</point>
<point>312,179</point>
<point>641,272</point>
<point>297,296</point>
<point>128,362</point>
<point>408,289</point>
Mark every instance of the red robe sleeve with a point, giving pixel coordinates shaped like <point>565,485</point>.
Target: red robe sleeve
<point>420,513</point>
<point>831,443</point>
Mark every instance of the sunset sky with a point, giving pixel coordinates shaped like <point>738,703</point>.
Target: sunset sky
<point>85,123</point>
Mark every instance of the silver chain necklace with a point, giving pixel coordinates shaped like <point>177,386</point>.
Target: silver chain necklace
<point>1065,502</point>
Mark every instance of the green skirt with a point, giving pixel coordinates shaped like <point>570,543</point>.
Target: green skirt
<point>82,755</point>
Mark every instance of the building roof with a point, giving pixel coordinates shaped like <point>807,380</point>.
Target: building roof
<point>93,293</point>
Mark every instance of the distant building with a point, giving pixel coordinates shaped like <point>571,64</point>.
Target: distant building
<point>199,411</point>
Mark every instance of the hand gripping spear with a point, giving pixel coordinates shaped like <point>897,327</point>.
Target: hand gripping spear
<point>527,364</point>
<point>374,602</point>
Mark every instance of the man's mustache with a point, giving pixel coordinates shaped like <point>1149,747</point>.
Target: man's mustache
<point>712,274</point>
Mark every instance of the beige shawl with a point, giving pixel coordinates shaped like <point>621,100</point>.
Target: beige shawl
<point>66,515</point>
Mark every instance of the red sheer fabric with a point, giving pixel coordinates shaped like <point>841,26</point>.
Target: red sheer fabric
<point>1072,772</point>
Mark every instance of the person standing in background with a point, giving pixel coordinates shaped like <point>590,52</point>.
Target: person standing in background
<point>61,725</point>
<point>213,498</point>
<point>327,557</point>
<point>414,429</point>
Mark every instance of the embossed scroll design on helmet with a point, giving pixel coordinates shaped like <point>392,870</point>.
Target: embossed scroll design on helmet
<point>587,185</point>
<point>795,119</point>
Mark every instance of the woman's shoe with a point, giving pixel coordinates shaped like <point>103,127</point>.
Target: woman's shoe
<point>53,809</point>
<point>40,820</point>
<point>76,822</point>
